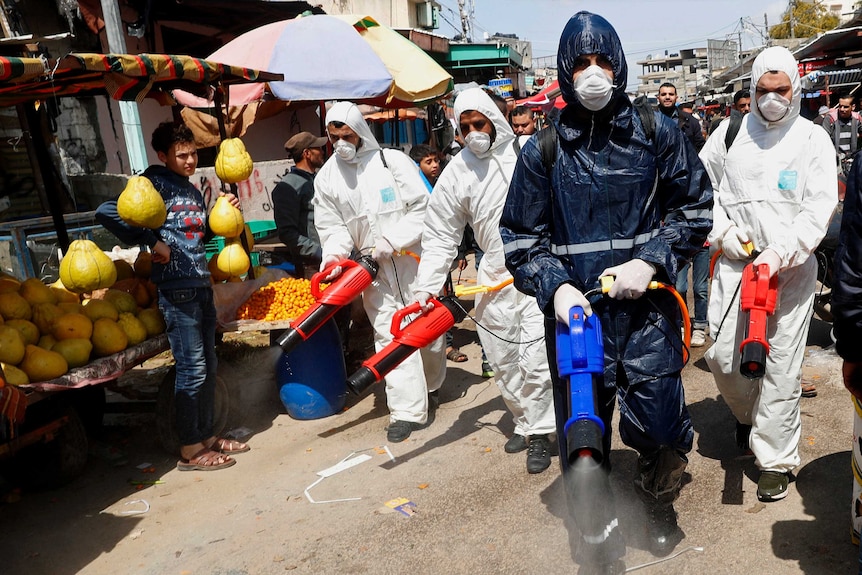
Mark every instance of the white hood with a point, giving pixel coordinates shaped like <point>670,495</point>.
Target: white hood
<point>776,59</point>
<point>347,113</point>
<point>476,99</point>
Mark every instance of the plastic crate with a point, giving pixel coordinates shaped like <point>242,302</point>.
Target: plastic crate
<point>259,229</point>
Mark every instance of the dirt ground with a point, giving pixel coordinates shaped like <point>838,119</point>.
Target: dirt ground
<point>474,508</point>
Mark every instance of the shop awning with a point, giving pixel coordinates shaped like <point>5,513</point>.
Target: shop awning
<point>121,76</point>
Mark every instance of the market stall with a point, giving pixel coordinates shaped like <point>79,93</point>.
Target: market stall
<point>42,410</point>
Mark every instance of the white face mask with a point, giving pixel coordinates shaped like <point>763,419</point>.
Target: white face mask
<point>773,107</point>
<point>478,142</point>
<point>593,88</point>
<point>345,150</point>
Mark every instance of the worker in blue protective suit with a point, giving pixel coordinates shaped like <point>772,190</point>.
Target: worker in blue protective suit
<point>620,201</point>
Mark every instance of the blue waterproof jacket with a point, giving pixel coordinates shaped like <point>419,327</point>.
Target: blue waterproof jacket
<point>613,194</point>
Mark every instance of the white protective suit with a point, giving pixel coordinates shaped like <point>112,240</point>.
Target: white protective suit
<point>472,190</point>
<point>355,204</point>
<point>778,184</point>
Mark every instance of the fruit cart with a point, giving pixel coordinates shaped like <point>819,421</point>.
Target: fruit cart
<point>52,418</point>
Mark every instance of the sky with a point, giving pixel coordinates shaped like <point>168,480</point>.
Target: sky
<point>646,27</point>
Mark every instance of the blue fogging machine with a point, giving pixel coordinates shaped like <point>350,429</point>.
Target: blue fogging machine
<point>581,361</point>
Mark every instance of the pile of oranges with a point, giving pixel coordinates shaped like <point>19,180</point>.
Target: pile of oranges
<point>284,299</point>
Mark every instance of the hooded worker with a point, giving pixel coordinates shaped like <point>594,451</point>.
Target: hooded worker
<point>372,201</point>
<point>471,191</point>
<point>613,190</point>
<point>776,188</point>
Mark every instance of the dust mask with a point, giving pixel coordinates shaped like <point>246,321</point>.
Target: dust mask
<point>593,88</point>
<point>345,150</point>
<point>478,142</point>
<point>773,107</point>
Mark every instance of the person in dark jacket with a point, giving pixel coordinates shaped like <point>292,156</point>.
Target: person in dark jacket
<point>185,294</point>
<point>847,309</point>
<point>617,201</point>
<point>686,122</point>
<point>292,207</point>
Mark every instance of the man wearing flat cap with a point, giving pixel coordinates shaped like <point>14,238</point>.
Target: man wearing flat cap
<point>291,203</point>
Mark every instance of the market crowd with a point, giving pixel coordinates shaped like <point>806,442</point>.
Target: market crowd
<point>584,215</point>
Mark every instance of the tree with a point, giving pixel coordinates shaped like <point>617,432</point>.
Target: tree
<point>803,19</point>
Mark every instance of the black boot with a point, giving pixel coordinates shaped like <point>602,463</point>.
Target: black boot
<point>662,529</point>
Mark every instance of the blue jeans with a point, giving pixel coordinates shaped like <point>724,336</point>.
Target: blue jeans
<point>700,280</point>
<point>190,315</point>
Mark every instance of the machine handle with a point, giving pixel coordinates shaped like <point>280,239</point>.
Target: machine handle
<point>398,317</point>
<point>577,339</point>
<point>761,293</point>
<point>317,278</point>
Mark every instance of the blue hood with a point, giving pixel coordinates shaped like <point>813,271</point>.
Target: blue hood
<point>588,33</point>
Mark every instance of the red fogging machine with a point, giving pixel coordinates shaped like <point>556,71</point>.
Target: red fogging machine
<point>418,333</point>
<point>757,298</point>
<point>356,275</point>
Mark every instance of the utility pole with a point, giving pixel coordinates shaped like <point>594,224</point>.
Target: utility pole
<point>792,31</point>
<point>466,30</point>
<point>129,114</point>
<point>739,45</point>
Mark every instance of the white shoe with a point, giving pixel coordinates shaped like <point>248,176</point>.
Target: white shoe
<point>698,338</point>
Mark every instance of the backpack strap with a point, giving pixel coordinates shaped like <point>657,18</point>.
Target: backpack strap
<point>383,159</point>
<point>732,130</point>
<point>647,115</point>
<point>516,145</point>
<point>547,142</point>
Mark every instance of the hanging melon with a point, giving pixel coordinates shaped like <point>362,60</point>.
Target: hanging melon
<point>233,260</point>
<point>233,163</point>
<point>225,220</point>
<point>140,205</point>
<point>86,268</point>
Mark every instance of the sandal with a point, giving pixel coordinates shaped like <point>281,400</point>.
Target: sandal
<point>809,390</point>
<point>229,446</point>
<point>205,460</point>
<point>456,355</point>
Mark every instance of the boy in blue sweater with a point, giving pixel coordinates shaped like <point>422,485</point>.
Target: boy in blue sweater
<point>185,294</point>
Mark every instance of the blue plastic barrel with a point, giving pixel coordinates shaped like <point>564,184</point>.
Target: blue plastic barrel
<point>312,379</point>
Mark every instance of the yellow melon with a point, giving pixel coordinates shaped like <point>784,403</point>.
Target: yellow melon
<point>28,330</point>
<point>11,345</point>
<point>34,291</point>
<point>62,294</point>
<point>72,326</point>
<point>122,301</point>
<point>86,268</point>
<point>75,351</point>
<point>41,364</point>
<point>153,321</point>
<point>233,260</point>
<point>47,341</point>
<point>14,376</point>
<point>233,163</point>
<point>13,306</point>
<point>225,220</point>
<point>8,283</point>
<point>135,330</point>
<point>216,274</point>
<point>44,315</point>
<point>108,337</point>
<point>98,308</point>
<point>141,205</point>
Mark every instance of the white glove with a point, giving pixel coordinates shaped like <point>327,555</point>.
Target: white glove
<point>631,279</point>
<point>422,298</point>
<point>732,242</point>
<point>335,271</point>
<point>771,258</point>
<point>383,250</point>
<point>566,297</point>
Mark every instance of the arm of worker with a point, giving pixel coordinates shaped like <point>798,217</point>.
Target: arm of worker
<point>335,239</point>
<point>684,196</point>
<point>107,216</point>
<point>525,230</point>
<point>442,234</point>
